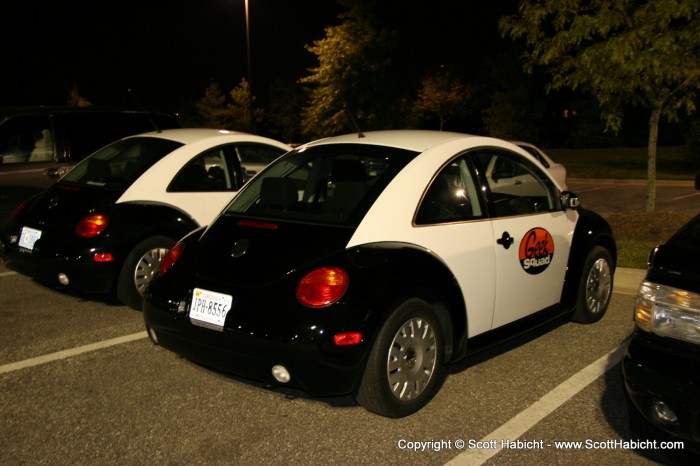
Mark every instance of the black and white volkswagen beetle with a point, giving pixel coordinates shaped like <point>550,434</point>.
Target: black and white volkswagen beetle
<point>364,263</point>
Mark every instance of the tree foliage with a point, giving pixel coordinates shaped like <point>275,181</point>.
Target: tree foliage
<point>242,111</point>
<point>348,82</point>
<point>645,53</point>
<point>216,111</point>
<point>441,95</point>
<point>75,99</point>
<point>212,107</point>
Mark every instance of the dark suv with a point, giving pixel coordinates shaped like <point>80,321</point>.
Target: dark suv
<point>37,144</point>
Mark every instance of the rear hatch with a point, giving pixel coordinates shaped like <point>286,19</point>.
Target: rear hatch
<point>56,212</point>
<point>65,204</point>
<point>236,251</point>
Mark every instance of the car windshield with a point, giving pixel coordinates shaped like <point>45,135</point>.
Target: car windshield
<point>329,184</point>
<point>687,237</point>
<point>121,163</point>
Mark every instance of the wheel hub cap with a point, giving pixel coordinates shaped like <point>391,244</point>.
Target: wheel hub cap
<point>411,359</point>
<point>598,286</point>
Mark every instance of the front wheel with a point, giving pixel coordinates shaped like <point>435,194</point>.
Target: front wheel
<point>139,268</point>
<point>404,366</point>
<point>595,288</point>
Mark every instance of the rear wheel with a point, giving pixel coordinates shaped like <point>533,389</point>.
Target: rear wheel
<point>595,288</point>
<point>405,363</point>
<point>139,268</point>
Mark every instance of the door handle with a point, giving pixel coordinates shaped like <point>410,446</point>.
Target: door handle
<point>505,240</point>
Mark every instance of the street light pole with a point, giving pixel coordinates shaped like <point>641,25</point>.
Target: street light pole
<point>249,110</point>
<point>247,37</point>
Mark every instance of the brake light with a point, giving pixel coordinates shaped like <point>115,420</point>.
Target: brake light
<point>18,209</point>
<point>92,225</point>
<point>347,338</point>
<point>170,258</point>
<point>322,287</point>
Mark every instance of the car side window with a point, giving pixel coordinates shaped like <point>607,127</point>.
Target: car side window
<point>26,139</point>
<point>451,197</point>
<point>217,169</point>
<point>255,157</point>
<point>516,186</point>
<point>206,172</point>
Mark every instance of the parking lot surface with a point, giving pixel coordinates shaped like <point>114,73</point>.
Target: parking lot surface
<point>81,384</point>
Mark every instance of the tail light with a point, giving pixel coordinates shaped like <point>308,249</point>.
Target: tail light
<point>92,225</point>
<point>170,258</point>
<point>18,209</point>
<point>322,287</point>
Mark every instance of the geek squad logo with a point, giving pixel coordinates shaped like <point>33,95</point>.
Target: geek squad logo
<point>536,251</point>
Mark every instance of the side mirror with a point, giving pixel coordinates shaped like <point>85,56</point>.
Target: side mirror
<point>569,200</point>
<point>56,172</point>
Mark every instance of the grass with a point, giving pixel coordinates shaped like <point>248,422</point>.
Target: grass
<point>636,233</point>
<point>634,254</point>
<point>673,163</point>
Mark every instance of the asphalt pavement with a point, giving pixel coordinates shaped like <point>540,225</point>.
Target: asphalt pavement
<point>81,384</point>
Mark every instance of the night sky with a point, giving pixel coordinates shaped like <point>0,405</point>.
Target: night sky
<point>167,52</point>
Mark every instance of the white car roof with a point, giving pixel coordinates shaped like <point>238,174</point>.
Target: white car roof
<point>415,140</point>
<point>190,135</point>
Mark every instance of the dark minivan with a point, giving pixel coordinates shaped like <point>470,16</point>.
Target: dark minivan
<point>37,144</point>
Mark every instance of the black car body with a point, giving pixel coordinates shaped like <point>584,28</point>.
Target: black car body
<point>106,224</point>
<point>349,250</point>
<point>661,367</point>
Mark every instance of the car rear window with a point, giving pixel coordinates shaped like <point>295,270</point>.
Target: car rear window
<point>121,163</point>
<point>330,184</point>
<point>90,131</point>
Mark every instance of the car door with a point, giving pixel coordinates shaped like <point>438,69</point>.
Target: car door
<point>532,235</point>
<point>452,222</point>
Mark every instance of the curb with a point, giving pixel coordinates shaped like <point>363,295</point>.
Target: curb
<point>627,280</point>
<point>630,182</point>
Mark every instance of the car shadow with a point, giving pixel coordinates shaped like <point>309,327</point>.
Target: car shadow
<point>348,401</point>
<point>502,347</point>
<point>109,299</point>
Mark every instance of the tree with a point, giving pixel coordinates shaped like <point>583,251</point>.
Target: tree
<point>283,111</point>
<point>348,82</point>
<point>238,114</point>
<point>244,115</point>
<point>513,115</point>
<point>75,99</point>
<point>638,52</point>
<point>441,95</point>
<point>212,107</point>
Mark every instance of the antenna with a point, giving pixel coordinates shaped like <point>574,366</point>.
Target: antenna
<point>144,109</point>
<point>352,119</point>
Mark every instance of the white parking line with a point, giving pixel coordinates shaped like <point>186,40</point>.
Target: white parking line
<point>598,188</point>
<point>70,352</point>
<point>685,197</point>
<point>7,274</point>
<point>525,420</point>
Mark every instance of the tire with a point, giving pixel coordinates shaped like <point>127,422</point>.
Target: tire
<point>404,366</point>
<point>139,268</point>
<point>595,287</point>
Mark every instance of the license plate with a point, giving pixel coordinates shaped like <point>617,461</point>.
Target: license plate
<point>209,308</point>
<point>28,237</point>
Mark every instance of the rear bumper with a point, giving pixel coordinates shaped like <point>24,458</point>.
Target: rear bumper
<point>318,368</point>
<point>82,274</point>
